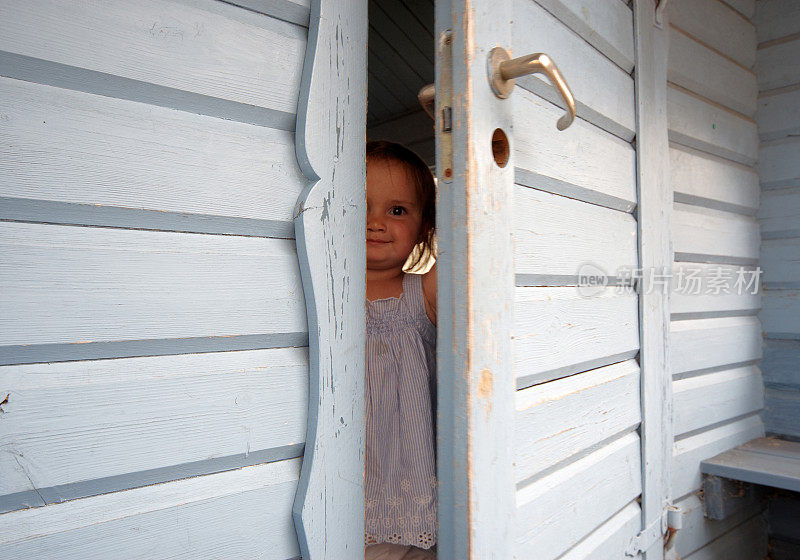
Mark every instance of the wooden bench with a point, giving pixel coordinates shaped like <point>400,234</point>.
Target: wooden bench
<point>732,479</point>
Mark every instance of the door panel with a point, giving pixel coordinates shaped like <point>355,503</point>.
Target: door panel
<point>584,446</point>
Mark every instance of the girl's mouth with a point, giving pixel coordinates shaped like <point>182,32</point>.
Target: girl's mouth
<point>377,242</point>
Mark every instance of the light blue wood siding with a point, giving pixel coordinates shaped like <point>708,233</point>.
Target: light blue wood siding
<point>778,117</point>
<point>153,354</point>
<point>577,444</point>
<point>715,338</point>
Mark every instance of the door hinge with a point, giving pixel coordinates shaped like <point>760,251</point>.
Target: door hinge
<point>661,5</point>
<point>669,523</point>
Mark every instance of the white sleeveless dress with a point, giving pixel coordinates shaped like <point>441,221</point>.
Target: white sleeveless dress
<point>400,477</point>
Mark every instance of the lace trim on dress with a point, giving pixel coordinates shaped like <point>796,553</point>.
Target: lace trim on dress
<point>399,529</point>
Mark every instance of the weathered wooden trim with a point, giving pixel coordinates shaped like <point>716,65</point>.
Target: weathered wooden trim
<point>68,352</point>
<point>70,213</point>
<point>284,10</point>
<point>30,69</point>
<point>476,291</point>
<point>328,508</point>
<point>654,196</point>
<point>84,489</point>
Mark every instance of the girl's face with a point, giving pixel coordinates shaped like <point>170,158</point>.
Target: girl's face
<point>394,215</point>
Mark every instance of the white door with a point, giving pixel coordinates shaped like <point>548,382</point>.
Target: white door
<point>552,362</point>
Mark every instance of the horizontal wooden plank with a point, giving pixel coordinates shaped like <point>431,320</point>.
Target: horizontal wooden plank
<point>756,468</point>
<point>79,421</point>
<point>611,538</point>
<point>779,213</point>
<point>707,235</point>
<point>709,343</point>
<point>708,73</point>
<point>607,25</point>
<point>75,147</point>
<point>75,78</point>
<point>559,331</point>
<point>778,65</point>
<point>186,519</point>
<point>745,7</point>
<point>295,11</point>
<point>558,419</point>
<point>780,313</point>
<point>778,164</point>
<point>776,19</point>
<point>560,509</point>
<point>712,398</point>
<point>583,156</point>
<point>718,26</point>
<point>701,290</point>
<point>779,261</point>
<point>699,124</point>
<point>72,284</point>
<point>778,114</point>
<point>703,179</point>
<point>748,540</point>
<point>603,91</point>
<point>779,364</point>
<point>211,48</point>
<point>687,452</point>
<point>555,235</point>
<point>697,531</point>
<point>781,412</point>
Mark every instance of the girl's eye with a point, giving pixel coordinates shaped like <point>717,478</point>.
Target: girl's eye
<point>397,211</point>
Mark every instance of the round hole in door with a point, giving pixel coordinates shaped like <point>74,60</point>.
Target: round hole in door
<point>500,149</point>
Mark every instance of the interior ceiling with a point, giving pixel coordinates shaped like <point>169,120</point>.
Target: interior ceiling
<point>400,57</point>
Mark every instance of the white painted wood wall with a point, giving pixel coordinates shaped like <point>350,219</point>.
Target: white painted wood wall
<point>578,407</point>
<point>715,339</point>
<point>153,323</point>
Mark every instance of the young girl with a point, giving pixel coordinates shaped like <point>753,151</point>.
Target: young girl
<point>400,474</point>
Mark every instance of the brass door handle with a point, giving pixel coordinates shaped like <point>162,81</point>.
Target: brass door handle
<point>427,98</point>
<point>503,70</point>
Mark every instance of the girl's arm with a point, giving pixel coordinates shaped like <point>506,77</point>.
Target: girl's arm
<point>429,293</point>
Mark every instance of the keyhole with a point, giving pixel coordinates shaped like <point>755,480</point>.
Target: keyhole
<point>500,149</point>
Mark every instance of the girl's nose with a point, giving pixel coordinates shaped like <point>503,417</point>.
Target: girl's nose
<point>374,222</point>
